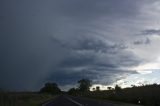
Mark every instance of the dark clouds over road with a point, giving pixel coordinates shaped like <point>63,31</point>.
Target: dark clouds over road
<point>64,41</point>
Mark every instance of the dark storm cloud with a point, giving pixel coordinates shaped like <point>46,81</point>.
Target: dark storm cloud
<point>52,40</point>
<point>87,9</point>
<point>93,51</point>
<point>151,32</point>
<point>86,61</point>
<point>92,44</point>
<point>141,42</point>
<point>71,76</point>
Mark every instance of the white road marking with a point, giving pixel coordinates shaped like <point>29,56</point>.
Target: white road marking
<point>44,104</point>
<point>74,101</point>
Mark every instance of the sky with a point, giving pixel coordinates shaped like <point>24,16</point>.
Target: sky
<point>107,41</point>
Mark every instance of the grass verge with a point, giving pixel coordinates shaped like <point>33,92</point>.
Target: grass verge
<point>23,99</point>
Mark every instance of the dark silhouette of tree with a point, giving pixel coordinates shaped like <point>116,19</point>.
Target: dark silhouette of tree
<point>133,86</point>
<point>72,91</point>
<point>84,85</point>
<point>97,88</point>
<point>117,88</point>
<point>51,88</point>
<point>109,88</point>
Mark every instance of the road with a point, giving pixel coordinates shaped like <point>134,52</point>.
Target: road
<point>76,101</point>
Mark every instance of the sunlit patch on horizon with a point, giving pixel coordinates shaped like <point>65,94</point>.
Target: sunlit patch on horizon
<point>144,72</point>
<point>101,86</point>
<point>145,77</point>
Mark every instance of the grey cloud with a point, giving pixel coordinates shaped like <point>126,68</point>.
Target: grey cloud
<point>86,62</point>
<point>88,9</point>
<point>151,32</point>
<point>94,44</point>
<point>27,54</point>
<point>52,40</point>
<point>108,76</point>
<point>95,51</point>
<point>113,77</point>
<point>141,42</point>
<point>64,77</point>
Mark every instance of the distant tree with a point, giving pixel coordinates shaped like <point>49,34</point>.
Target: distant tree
<point>133,86</point>
<point>155,84</point>
<point>97,88</point>
<point>84,85</point>
<point>72,91</point>
<point>117,88</point>
<point>51,88</point>
<point>109,88</point>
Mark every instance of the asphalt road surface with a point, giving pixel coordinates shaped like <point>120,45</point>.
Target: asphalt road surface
<point>76,101</point>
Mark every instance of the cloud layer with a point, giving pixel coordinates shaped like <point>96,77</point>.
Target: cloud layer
<point>64,41</point>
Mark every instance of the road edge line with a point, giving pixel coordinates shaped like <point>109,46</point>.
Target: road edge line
<point>77,103</point>
<point>44,104</point>
<point>49,101</point>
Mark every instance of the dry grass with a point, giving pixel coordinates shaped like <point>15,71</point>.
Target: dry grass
<point>23,99</point>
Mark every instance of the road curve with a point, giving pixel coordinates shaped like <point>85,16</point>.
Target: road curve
<point>76,101</point>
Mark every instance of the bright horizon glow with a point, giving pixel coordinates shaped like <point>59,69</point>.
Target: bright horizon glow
<point>143,77</point>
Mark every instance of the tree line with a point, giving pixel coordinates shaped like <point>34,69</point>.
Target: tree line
<point>52,88</point>
<point>147,95</point>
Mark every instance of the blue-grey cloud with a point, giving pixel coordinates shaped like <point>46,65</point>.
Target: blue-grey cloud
<point>95,60</point>
<point>151,32</point>
<point>142,41</point>
<point>60,41</point>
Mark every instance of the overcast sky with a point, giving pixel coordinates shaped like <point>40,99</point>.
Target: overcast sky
<point>107,41</point>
